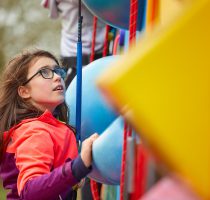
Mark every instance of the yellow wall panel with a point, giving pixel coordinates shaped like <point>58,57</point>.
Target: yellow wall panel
<point>163,84</point>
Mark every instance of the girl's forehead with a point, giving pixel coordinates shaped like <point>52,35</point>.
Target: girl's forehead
<point>40,62</point>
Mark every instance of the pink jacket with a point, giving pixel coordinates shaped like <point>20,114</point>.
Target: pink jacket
<point>41,146</point>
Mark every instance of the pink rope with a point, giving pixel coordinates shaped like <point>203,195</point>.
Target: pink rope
<point>116,42</point>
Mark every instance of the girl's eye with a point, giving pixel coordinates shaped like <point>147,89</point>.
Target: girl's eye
<point>45,72</point>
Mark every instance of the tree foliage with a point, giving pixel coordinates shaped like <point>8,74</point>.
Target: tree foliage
<point>25,24</point>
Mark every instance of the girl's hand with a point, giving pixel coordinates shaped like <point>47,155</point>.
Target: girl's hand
<point>86,151</point>
<point>81,183</point>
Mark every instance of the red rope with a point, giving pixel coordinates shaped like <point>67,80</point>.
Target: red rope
<point>94,190</point>
<point>93,184</point>
<point>123,165</point>
<point>106,41</point>
<point>92,55</point>
<point>140,178</point>
<point>128,130</point>
<point>133,19</point>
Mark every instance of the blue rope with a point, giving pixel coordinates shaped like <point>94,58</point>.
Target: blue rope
<point>79,91</point>
<point>79,77</point>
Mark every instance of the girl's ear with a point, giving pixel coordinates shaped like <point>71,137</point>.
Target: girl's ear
<point>23,92</point>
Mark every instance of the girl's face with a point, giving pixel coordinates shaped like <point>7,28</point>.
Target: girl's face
<point>44,93</point>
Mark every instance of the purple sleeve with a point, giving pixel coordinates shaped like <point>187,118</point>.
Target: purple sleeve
<point>61,179</point>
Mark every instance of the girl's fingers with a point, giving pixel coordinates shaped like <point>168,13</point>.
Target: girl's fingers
<point>95,135</point>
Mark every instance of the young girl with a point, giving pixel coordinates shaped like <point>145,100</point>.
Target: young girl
<point>38,150</point>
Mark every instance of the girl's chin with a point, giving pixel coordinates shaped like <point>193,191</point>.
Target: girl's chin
<point>60,102</point>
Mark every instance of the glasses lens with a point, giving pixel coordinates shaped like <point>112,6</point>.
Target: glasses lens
<point>46,73</point>
<point>60,71</point>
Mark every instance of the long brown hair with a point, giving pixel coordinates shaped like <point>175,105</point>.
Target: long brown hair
<point>13,108</point>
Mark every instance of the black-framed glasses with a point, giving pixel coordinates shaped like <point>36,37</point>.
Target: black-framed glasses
<point>48,73</point>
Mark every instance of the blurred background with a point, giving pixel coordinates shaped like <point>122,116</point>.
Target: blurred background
<point>25,24</point>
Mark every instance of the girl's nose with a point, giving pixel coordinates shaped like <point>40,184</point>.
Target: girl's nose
<point>57,76</point>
